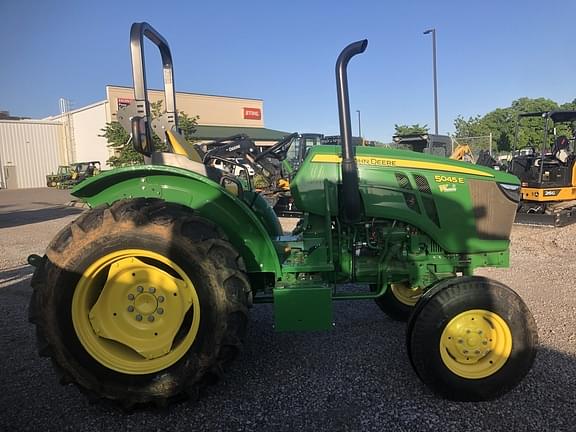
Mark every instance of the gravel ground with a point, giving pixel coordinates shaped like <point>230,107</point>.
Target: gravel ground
<point>355,377</point>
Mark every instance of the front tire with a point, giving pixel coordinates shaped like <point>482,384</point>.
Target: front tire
<point>471,339</point>
<point>398,301</point>
<point>141,302</point>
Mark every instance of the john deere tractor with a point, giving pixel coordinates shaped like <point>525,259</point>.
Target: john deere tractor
<point>145,297</point>
<point>63,174</point>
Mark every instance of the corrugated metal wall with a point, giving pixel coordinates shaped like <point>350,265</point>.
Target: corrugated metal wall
<point>33,148</point>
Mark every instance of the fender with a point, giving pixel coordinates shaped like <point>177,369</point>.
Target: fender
<point>248,230</point>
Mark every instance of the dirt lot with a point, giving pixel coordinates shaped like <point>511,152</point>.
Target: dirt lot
<point>356,377</point>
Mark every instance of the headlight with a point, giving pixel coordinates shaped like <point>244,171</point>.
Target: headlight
<point>512,192</point>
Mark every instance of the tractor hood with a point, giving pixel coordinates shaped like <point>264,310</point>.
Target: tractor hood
<point>453,201</point>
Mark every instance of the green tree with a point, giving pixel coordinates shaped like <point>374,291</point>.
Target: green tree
<point>569,106</point>
<point>118,138</point>
<point>474,126</point>
<point>410,129</point>
<point>502,123</point>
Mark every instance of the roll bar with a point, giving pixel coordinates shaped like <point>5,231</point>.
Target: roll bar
<point>141,122</point>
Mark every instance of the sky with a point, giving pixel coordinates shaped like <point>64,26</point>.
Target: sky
<point>489,53</point>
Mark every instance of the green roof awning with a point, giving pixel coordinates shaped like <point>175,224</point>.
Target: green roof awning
<point>257,134</point>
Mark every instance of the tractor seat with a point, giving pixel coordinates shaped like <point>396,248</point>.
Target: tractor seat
<point>214,174</point>
<point>181,161</point>
<point>549,160</point>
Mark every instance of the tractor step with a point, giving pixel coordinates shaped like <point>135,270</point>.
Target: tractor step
<point>303,308</point>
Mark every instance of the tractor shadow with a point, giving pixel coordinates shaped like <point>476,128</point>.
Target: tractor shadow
<point>26,217</point>
<point>355,377</point>
<point>360,372</point>
<point>15,275</point>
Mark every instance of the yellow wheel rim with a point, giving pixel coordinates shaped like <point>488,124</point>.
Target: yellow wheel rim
<point>135,311</point>
<point>404,294</point>
<point>475,344</point>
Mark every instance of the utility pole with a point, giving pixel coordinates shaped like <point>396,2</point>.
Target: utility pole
<point>433,31</point>
<point>359,125</point>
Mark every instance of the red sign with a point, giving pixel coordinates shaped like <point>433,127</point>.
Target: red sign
<point>122,102</point>
<point>252,114</point>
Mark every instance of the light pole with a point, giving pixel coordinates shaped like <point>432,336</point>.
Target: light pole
<point>433,31</point>
<point>359,126</point>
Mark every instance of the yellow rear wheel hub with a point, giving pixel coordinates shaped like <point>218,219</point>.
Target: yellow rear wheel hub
<point>476,344</point>
<point>135,311</point>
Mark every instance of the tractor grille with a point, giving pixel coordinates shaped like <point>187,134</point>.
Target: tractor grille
<point>430,207</point>
<point>403,181</point>
<point>422,184</point>
<point>409,197</point>
<point>411,201</point>
<point>494,212</point>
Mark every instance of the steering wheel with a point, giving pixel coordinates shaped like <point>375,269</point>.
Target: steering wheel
<point>278,150</point>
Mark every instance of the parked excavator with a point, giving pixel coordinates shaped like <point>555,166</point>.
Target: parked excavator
<point>547,172</point>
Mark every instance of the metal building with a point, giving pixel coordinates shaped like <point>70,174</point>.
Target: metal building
<point>29,149</point>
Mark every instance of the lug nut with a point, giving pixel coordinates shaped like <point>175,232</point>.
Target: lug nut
<point>160,311</point>
<point>138,317</point>
<point>460,341</point>
<point>150,318</point>
<point>140,289</point>
<point>151,290</point>
<point>130,296</point>
<point>160,299</point>
<point>130,308</point>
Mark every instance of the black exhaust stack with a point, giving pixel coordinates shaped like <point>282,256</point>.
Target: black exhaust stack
<point>350,203</point>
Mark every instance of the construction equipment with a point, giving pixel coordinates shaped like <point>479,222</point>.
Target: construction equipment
<point>271,169</point>
<point>145,297</point>
<point>296,147</point>
<point>547,170</point>
<point>439,145</point>
<point>300,147</point>
<point>462,152</point>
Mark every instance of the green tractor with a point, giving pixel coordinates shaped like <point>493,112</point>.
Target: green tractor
<point>145,297</point>
<point>63,174</point>
<point>78,172</point>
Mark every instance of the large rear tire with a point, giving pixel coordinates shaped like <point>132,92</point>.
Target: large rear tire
<point>140,302</point>
<point>471,339</point>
